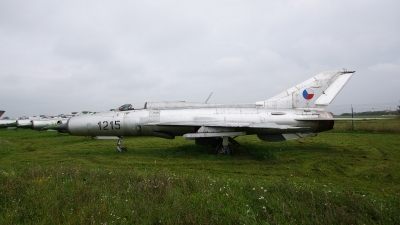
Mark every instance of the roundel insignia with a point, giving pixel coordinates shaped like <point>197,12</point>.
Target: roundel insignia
<point>308,93</point>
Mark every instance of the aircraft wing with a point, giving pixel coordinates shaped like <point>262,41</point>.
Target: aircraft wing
<point>227,124</point>
<point>274,126</point>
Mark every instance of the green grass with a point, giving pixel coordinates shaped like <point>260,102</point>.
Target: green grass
<point>338,177</point>
<point>391,124</point>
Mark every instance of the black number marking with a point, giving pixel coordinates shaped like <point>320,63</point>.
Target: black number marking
<point>105,126</point>
<point>115,125</point>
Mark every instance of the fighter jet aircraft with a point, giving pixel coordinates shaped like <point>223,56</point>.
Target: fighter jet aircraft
<point>295,113</point>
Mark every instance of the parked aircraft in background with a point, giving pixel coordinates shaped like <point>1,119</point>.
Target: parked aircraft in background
<point>8,123</point>
<point>295,113</point>
<point>38,123</point>
<point>5,122</point>
<point>59,122</point>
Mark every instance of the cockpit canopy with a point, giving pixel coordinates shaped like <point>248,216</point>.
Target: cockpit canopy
<point>125,107</point>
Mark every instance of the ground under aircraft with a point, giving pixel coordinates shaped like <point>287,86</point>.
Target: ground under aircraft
<point>295,113</point>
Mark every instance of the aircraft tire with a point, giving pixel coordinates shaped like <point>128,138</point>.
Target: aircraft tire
<point>221,150</point>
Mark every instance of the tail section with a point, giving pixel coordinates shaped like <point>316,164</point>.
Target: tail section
<point>2,112</point>
<point>315,93</point>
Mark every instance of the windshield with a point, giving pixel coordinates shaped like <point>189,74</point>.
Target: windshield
<point>125,107</point>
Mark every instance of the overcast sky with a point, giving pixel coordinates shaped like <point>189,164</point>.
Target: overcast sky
<point>63,56</point>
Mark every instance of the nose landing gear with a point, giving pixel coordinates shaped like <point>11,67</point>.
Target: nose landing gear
<point>119,147</point>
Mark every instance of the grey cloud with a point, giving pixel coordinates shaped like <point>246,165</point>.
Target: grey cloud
<point>94,55</point>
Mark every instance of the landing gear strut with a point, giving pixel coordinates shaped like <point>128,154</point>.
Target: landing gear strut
<point>224,148</point>
<point>119,147</point>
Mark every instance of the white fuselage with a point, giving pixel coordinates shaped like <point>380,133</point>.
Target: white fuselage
<point>144,122</point>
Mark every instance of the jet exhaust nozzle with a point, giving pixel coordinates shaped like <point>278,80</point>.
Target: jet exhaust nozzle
<point>60,127</point>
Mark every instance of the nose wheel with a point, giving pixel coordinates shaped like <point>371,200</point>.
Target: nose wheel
<point>119,147</point>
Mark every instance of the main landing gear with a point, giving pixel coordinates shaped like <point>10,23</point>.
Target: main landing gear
<point>217,137</point>
<point>224,148</point>
<point>119,147</point>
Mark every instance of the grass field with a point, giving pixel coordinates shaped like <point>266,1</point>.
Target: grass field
<point>337,177</point>
<point>390,126</point>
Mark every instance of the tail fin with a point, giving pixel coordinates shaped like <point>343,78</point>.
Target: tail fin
<point>2,112</point>
<point>315,93</point>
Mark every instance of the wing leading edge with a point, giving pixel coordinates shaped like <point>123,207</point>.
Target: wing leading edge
<point>340,119</point>
<point>228,125</point>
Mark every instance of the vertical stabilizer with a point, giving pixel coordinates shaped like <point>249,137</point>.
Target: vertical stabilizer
<point>2,112</point>
<point>315,93</point>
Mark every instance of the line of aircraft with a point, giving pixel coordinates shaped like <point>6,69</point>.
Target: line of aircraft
<point>298,112</point>
<point>38,123</point>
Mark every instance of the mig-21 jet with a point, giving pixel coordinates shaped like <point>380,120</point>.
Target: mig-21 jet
<point>298,112</point>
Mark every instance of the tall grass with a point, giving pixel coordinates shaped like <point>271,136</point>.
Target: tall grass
<point>386,126</point>
<point>60,195</point>
<point>336,177</point>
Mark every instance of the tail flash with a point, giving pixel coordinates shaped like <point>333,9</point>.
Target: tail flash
<point>315,93</point>
<point>1,112</point>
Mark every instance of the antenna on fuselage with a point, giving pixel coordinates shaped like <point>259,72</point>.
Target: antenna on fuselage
<point>208,97</point>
